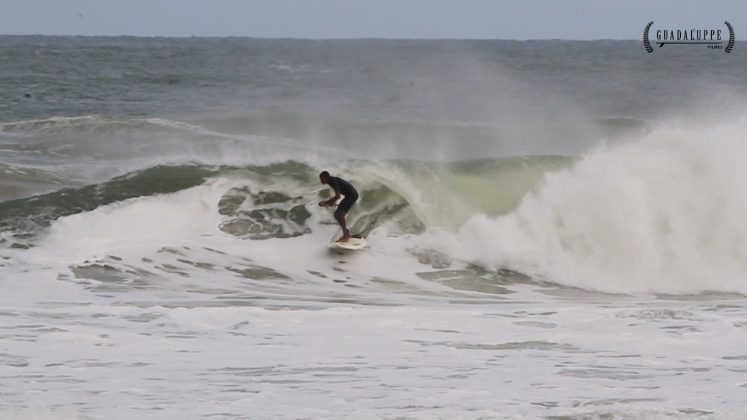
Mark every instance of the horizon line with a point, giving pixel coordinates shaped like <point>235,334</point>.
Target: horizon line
<point>377,38</point>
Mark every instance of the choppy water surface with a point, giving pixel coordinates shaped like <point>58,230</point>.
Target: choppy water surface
<point>555,230</point>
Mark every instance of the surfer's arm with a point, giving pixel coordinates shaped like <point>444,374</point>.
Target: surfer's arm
<point>331,201</point>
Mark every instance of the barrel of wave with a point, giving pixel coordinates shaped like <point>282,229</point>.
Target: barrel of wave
<point>445,195</point>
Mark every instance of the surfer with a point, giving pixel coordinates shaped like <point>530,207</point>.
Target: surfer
<point>341,187</point>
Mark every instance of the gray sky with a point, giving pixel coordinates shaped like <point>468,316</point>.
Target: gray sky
<point>515,19</point>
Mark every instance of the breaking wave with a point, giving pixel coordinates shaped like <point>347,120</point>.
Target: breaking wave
<point>660,213</point>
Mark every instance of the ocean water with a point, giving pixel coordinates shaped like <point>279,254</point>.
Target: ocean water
<point>556,230</point>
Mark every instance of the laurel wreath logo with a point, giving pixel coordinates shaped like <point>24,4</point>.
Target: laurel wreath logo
<point>730,44</point>
<point>647,44</point>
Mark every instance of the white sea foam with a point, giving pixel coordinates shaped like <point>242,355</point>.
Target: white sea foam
<point>661,214</point>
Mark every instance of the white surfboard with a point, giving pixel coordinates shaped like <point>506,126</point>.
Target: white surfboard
<point>354,244</point>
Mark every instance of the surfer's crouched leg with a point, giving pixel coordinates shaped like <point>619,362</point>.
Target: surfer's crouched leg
<point>340,217</point>
<point>342,210</point>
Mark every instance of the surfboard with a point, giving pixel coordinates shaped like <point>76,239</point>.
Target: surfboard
<point>354,244</point>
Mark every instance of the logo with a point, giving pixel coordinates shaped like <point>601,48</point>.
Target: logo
<point>711,38</point>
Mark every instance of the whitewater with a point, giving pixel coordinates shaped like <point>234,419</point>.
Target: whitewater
<point>525,260</point>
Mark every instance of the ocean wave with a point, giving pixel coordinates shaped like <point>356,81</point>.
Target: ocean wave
<point>660,214</point>
<point>432,194</point>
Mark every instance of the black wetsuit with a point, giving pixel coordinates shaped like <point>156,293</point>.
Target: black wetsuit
<point>343,187</point>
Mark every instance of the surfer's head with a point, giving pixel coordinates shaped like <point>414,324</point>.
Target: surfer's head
<point>324,177</point>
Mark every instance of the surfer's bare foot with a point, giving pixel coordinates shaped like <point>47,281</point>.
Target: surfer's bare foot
<point>344,238</point>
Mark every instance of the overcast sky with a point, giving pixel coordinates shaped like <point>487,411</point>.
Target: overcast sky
<point>515,19</point>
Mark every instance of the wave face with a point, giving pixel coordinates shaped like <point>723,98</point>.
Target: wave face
<point>25,216</point>
<point>275,200</point>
